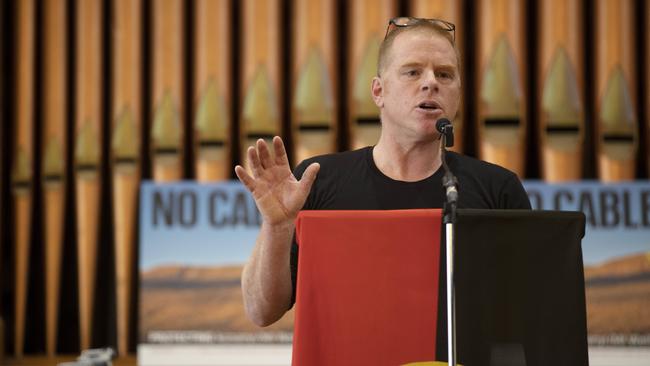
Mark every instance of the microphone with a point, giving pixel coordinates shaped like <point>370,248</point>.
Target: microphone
<point>450,184</point>
<point>444,126</point>
<point>449,181</point>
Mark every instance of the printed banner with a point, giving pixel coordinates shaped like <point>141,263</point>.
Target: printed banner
<point>195,239</point>
<point>616,254</point>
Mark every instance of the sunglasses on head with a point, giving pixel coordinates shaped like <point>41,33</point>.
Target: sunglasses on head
<point>408,21</point>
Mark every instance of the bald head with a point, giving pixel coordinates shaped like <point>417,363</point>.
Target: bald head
<point>424,27</point>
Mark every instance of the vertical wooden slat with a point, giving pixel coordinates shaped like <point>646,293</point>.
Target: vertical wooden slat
<point>314,103</point>
<point>261,92</point>
<point>616,116</point>
<point>89,86</point>
<point>3,107</point>
<point>22,170</point>
<point>369,21</point>
<point>451,11</point>
<point>560,95</point>
<point>646,37</point>
<point>501,83</point>
<point>54,121</point>
<point>3,168</point>
<point>126,124</point>
<point>167,92</point>
<point>212,97</point>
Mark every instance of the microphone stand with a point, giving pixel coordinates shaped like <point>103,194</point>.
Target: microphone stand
<point>450,183</point>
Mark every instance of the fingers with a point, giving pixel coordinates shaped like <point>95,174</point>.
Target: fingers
<point>260,158</point>
<point>254,162</point>
<point>243,176</point>
<point>309,176</point>
<point>280,152</point>
<point>264,154</point>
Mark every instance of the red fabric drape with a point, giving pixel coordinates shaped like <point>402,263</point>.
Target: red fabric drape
<point>367,291</point>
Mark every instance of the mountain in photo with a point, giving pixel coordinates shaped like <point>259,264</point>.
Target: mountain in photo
<point>184,298</point>
<point>618,296</point>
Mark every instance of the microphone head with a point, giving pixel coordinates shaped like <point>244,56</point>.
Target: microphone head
<point>446,129</point>
<point>441,124</point>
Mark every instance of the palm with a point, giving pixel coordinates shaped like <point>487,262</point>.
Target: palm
<point>277,193</point>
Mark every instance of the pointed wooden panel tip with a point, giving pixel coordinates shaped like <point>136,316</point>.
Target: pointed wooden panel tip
<point>212,118</point>
<point>560,97</point>
<point>22,169</point>
<point>53,158</point>
<point>166,125</point>
<point>618,119</point>
<point>500,89</point>
<point>87,147</point>
<point>617,112</point>
<point>261,114</point>
<point>125,142</point>
<point>313,100</point>
<point>364,105</point>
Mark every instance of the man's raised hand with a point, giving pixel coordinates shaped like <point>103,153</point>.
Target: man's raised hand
<point>277,193</point>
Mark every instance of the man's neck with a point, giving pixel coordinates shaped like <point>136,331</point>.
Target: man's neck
<point>407,161</point>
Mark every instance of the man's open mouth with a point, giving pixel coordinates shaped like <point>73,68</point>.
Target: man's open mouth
<point>429,106</point>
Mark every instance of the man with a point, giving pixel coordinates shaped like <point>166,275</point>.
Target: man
<point>418,83</point>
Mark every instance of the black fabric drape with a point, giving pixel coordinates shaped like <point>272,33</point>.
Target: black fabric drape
<point>520,293</point>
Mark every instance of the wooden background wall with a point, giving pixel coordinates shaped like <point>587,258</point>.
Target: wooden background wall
<point>98,94</point>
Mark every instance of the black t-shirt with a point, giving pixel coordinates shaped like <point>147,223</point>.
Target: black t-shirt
<point>351,181</point>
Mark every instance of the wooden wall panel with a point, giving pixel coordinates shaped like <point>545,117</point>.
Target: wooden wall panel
<point>167,51</point>
<point>370,19</point>
<point>22,170</point>
<point>36,98</point>
<point>262,83</point>
<point>212,96</point>
<point>616,116</point>
<point>560,103</point>
<point>55,115</point>
<point>451,11</point>
<point>126,126</point>
<point>501,83</point>
<point>4,105</point>
<point>646,37</point>
<point>88,103</point>
<point>314,105</point>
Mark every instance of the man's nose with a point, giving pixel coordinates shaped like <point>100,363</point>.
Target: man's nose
<point>429,82</point>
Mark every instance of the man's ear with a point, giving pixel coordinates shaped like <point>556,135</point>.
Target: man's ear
<point>377,90</point>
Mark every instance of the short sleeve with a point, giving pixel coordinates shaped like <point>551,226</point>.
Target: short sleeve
<point>513,195</point>
<point>293,260</point>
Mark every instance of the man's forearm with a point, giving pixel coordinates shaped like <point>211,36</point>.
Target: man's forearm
<point>266,280</point>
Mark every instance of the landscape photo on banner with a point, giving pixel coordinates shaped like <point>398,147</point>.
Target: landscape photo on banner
<point>616,254</point>
<point>195,239</point>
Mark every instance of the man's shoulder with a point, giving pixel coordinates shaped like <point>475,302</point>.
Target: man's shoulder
<point>488,185</point>
<point>469,165</point>
<point>339,161</point>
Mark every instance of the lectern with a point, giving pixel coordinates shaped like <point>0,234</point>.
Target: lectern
<point>371,288</point>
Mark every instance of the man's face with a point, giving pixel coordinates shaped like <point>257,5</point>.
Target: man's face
<point>419,85</point>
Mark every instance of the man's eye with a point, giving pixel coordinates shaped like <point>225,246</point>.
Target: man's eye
<point>412,73</point>
<point>444,75</point>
